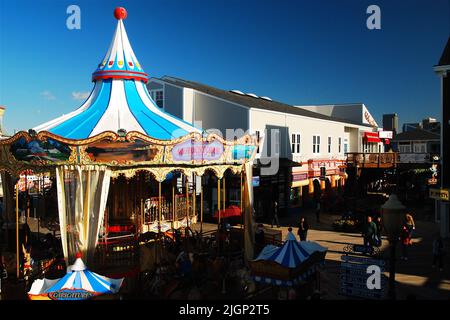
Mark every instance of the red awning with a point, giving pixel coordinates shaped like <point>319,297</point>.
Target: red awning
<point>231,211</point>
<point>372,137</point>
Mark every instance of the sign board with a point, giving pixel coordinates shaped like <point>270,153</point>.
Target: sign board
<point>354,276</point>
<point>255,181</point>
<point>189,150</point>
<point>413,157</point>
<point>385,134</point>
<point>439,194</point>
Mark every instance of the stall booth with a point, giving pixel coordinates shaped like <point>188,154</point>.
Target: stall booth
<point>294,264</point>
<point>122,164</point>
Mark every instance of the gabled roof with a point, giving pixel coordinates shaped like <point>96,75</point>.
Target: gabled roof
<point>418,134</point>
<point>445,58</point>
<point>252,102</point>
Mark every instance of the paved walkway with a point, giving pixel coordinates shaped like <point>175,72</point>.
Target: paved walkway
<point>414,277</point>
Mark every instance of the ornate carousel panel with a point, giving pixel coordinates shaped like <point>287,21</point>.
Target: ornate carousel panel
<point>122,152</point>
<point>47,151</point>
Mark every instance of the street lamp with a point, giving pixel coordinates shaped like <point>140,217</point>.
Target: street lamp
<point>393,212</point>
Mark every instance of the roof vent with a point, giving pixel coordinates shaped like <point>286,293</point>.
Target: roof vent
<point>252,95</point>
<point>266,98</point>
<point>237,92</point>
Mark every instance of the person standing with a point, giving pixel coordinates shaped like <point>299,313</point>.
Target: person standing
<point>379,225</point>
<point>438,253</point>
<point>318,208</point>
<point>275,215</point>
<point>406,241</point>
<point>369,232</point>
<point>303,229</point>
<point>260,239</point>
<point>410,225</point>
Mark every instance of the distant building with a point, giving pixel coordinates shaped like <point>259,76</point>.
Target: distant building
<point>431,125</point>
<point>311,141</point>
<point>416,146</point>
<point>2,130</point>
<point>390,122</point>
<point>411,126</point>
<point>443,205</point>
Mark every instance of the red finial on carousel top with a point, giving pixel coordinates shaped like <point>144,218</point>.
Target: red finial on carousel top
<point>78,255</point>
<point>120,13</point>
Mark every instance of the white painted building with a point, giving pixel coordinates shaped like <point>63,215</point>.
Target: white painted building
<point>309,137</point>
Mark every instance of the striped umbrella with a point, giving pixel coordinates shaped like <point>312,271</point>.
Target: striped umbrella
<point>78,284</point>
<point>291,255</point>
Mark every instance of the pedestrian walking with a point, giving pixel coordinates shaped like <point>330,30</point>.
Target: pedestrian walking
<point>260,240</point>
<point>275,215</point>
<point>369,232</point>
<point>303,229</point>
<point>438,253</point>
<point>405,241</point>
<point>410,225</point>
<point>379,225</point>
<point>318,209</point>
<point>3,271</point>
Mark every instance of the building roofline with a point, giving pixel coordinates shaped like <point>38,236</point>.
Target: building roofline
<point>248,101</point>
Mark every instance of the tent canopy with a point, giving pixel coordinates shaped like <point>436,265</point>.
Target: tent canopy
<point>118,101</point>
<point>292,253</point>
<point>78,284</point>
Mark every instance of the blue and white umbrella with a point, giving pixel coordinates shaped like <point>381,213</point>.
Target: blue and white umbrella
<point>78,284</point>
<point>292,254</point>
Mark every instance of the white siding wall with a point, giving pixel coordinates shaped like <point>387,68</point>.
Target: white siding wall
<point>307,127</point>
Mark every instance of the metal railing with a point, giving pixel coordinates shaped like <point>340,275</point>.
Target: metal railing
<point>368,159</point>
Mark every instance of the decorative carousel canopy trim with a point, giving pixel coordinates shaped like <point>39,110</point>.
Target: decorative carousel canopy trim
<point>160,173</point>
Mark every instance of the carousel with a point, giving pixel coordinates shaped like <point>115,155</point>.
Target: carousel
<point>121,163</point>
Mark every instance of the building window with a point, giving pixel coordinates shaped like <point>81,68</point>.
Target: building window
<point>295,143</point>
<point>420,147</point>
<point>158,97</point>
<point>316,144</point>
<point>329,144</point>
<point>258,139</point>
<point>404,147</point>
<point>277,142</point>
<point>339,145</point>
<point>345,145</point>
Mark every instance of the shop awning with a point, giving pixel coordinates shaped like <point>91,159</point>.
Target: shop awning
<point>371,137</point>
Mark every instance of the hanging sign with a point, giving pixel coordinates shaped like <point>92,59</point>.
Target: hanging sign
<point>241,152</point>
<point>197,150</point>
<point>70,294</point>
<point>439,194</point>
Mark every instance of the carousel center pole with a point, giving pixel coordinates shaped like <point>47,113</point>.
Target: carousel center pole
<point>173,205</point>
<point>159,207</point>
<point>194,192</point>
<point>17,230</point>
<point>224,194</point>
<point>242,198</point>
<point>201,209</point>
<point>218,201</point>
<point>187,203</point>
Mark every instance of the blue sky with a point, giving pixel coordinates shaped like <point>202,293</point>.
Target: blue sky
<point>297,52</point>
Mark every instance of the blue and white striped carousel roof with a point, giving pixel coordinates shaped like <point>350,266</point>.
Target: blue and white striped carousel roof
<point>78,278</point>
<point>119,100</point>
<point>292,253</point>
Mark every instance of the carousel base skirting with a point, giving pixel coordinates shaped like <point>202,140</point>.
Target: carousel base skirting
<point>167,225</point>
<point>288,283</point>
